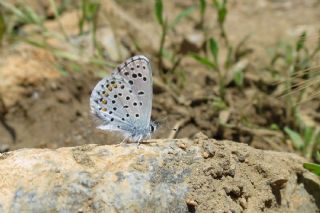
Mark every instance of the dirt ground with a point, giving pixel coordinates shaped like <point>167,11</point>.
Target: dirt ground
<point>49,108</point>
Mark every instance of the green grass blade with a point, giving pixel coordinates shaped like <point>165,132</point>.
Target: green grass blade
<point>214,48</point>
<point>239,78</point>
<point>221,7</point>
<point>203,6</point>
<point>312,167</point>
<point>295,138</point>
<point>301,41</point>
<point>13,9</point>
<point>185,13</point>
<point>202,60</point>
<point>2,27</point>
<point>159,11</point>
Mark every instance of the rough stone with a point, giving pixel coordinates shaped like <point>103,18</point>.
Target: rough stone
<point>159,176</point>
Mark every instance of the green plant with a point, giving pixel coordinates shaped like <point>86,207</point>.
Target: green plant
<point>19,15</point>
<point>313,167</point>
<point>89,14</point>
<point>234,52</point>
<point>212,62</point>
<point>202,10</point>
<point>23,14</point>
<point>2,27</point>
<point>233,56</point>
<point>221,7</point>
<point>306,141</point>
<point>296,60</point>
<point>166,27</point>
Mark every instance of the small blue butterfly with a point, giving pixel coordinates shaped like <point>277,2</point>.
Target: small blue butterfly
<point>123,101</point>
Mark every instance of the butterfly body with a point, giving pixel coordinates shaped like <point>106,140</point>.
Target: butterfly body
<point>123,101</point>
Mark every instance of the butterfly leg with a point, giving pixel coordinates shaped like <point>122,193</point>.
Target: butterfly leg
<point>139,141</point>
<point>124,141</point>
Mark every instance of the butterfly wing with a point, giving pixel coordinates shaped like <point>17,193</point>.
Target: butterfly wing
<point>113,102</point>
<point>138,73</point>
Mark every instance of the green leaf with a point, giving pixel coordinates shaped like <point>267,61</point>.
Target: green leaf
<point>238,78</point>
<point>221,7</point>
<point>203,60</point>
<point>203,6</point>
<point>289,56</point>
<point>2,27</point>
<point>308,134</point>
<point>159,11</point>
<point>181,16</point>
<point>222,15</point>
<point>301,41</point>
<point>274,126</point>
<point>216,4</point>
<point>30,16</point>
<point>312,167</point>
<point>218,104</point>
<point>214,48</point>
<point>295,138</point>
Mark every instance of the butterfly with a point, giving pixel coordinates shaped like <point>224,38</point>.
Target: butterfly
<point>123,101</point>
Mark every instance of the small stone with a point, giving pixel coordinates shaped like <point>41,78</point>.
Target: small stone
<point>191,202</point>
<point>192,43</point>
<point>208,148</point>
<point>182,146</point>
<point>205,155</point>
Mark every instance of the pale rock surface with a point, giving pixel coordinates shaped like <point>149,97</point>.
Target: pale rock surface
<point>184,175</point>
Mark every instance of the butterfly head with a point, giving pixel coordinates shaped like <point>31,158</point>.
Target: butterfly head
<point>153,126</point>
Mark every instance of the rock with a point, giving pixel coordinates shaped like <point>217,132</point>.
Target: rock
<point>162,175</point>
<point>192,43</point>
<point>24,67</point>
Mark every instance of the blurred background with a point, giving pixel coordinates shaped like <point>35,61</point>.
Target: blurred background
<point>244,70</point>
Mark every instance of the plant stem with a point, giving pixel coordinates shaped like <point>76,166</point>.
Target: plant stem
<point>223,34</point>
<point>162,42</point>
<point>313,142</point>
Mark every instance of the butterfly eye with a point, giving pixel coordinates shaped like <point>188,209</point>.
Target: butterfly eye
<point>152,128</point>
